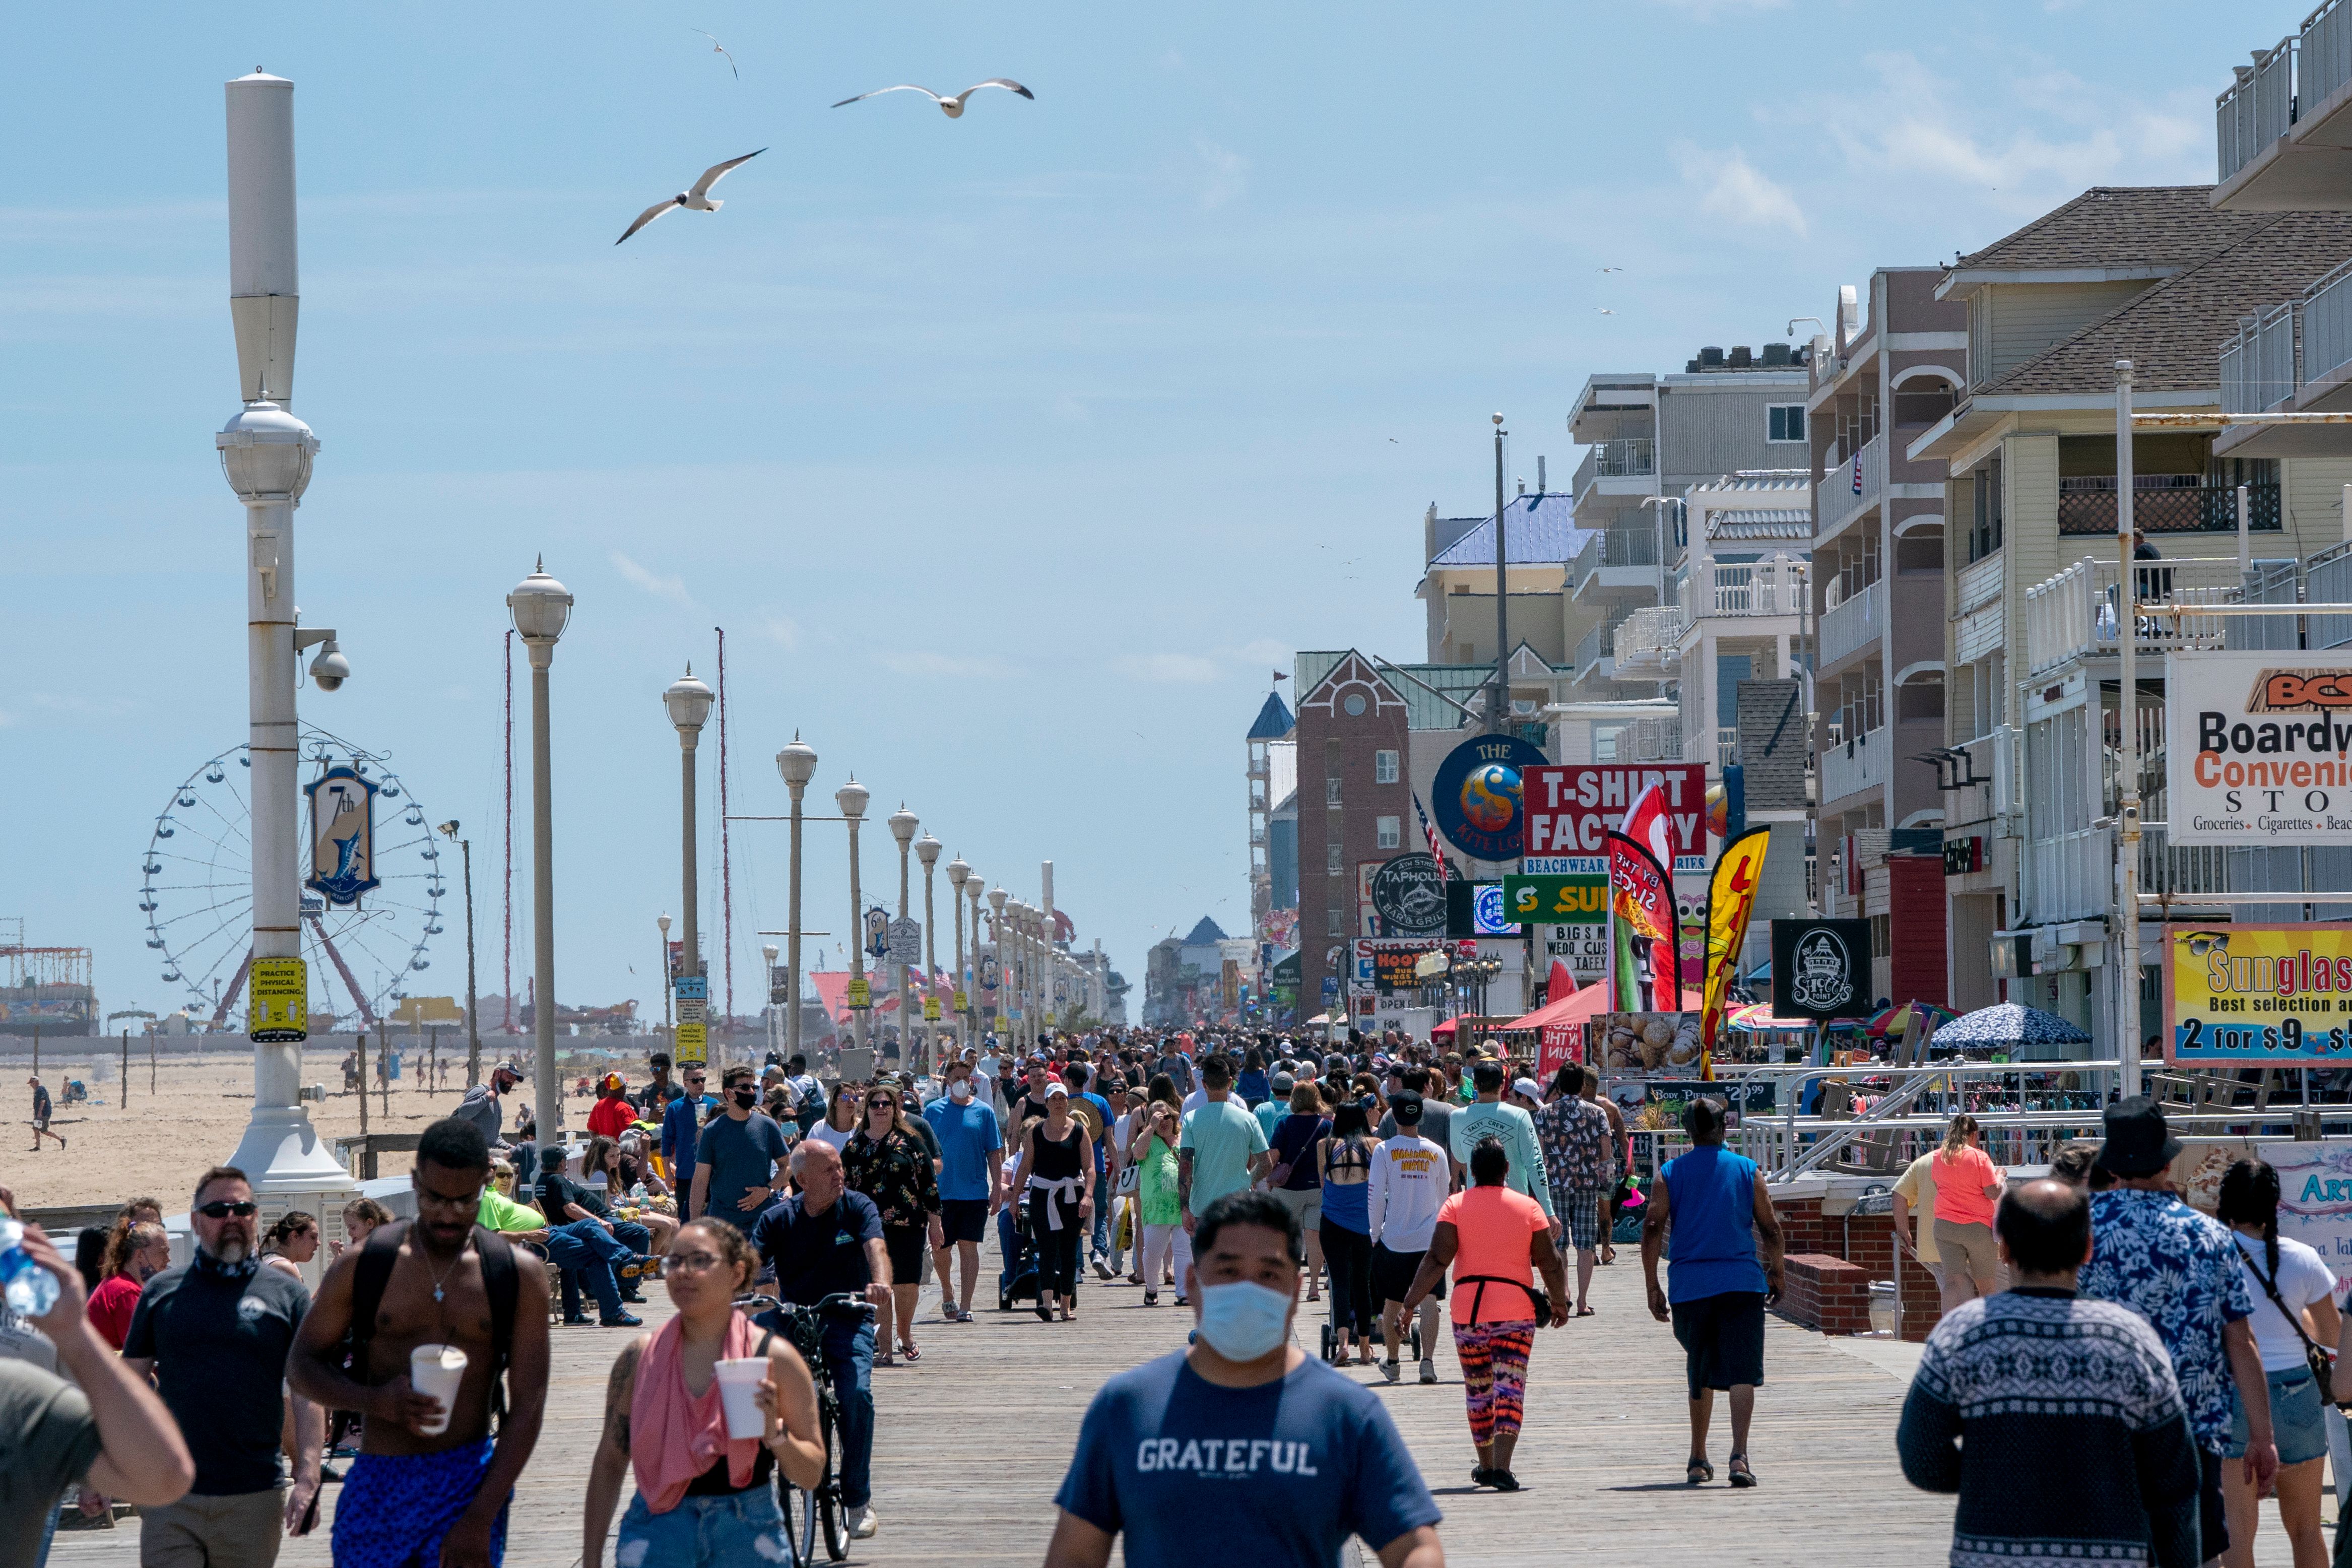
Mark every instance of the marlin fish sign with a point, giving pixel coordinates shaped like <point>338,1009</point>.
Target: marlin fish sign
<point>342,835</point>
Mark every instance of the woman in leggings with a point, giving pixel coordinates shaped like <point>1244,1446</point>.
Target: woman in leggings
<point>1491,1235</point>
<point>1055,1152</point>
<point>1345,1159</point>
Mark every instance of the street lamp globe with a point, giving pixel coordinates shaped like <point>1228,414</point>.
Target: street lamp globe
<point>852,798</point>
<point>957,873</point>
<point>926,850</point>
<point>797,762</point>
<point>768,951</point>
<point>903,824</point>
<point>689,701</point>
<point>266,454</point>
<point>663,922</point>
<point>540,606</point>
<point>996,897</point>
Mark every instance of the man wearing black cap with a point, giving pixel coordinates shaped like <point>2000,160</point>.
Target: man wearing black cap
<point>2178,1269</point>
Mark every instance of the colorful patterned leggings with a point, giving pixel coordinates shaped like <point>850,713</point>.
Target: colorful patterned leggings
<point>1494,1358</point>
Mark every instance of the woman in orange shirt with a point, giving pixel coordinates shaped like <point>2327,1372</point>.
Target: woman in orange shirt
<point>1967,1184</point>
<point>1490,1235</point>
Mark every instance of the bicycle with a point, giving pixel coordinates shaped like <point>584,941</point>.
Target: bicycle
<point>808,1510</point>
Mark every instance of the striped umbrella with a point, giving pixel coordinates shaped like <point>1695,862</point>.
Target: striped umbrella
<point>1894,1020</point>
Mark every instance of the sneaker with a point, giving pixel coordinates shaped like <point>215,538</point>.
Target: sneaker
<point>649,1266</point>
<point>1389,1370</point>
<point>621,1320</point>
<point>578,1323</point>
<point>865,1524</point>
<point>1429,1369</point>
<point>1102,1270</point>
<point>1503,1480</point>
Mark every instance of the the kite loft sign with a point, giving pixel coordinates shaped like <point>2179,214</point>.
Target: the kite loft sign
<point>2260,748</point>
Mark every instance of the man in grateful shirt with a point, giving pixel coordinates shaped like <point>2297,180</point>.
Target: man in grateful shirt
<point>1245,1430</point>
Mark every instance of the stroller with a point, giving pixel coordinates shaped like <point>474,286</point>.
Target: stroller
<point>1018,1280</point>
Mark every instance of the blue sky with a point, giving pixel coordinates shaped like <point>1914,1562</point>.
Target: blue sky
<point>1011,452</point>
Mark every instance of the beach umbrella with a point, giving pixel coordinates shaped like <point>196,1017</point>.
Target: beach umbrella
<point>1894,1020</point>
<point>2010,1024</point>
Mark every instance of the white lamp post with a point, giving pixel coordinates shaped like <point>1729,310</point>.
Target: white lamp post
<point>768,952</point>
<point>542,608</point>
<point>265,455</point>
<point>997,899</point>
<point>958,875</point>
<point>797,765</point>
<point>926,850</point>
<point>903,824</point>
<point>689,701</point>
<point>852,798</point>
<point>662,921</point>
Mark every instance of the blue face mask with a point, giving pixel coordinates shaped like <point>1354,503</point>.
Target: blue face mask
<point>1243,1321</point>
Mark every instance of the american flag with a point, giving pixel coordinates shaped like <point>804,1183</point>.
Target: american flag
<point>1436,851</point>
<point>1857,473</point>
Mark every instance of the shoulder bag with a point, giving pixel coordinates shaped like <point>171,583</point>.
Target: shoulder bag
<point>2315,1355</point>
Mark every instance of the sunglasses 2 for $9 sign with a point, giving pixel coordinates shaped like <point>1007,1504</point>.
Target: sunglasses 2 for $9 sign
<point>2257,993</point>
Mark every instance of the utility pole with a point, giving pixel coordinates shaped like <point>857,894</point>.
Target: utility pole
<point>2128,808</point>
<point>1501,717</point>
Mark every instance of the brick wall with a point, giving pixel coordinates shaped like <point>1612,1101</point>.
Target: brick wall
<point>1867,1242</point>
<point>1825,1293</point>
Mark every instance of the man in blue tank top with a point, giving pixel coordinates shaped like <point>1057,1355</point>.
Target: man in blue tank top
<point>1715,1205</point>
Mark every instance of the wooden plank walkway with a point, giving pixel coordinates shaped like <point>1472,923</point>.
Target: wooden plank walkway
<point>973,1441</point>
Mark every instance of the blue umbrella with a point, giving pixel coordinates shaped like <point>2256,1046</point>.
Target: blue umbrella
<point>2009,1024</point>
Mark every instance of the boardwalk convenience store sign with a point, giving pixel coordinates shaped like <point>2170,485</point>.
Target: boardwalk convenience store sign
<point>2258,749</point>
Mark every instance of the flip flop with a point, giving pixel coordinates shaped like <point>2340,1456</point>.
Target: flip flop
<point>910,1353</point>
<point>1584,1312</point>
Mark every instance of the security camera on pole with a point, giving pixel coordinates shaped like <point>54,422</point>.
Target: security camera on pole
<point>265,455</point>
<point>688,703</point>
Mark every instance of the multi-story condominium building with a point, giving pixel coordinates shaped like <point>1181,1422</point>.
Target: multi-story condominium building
<point>1647,439</point>
<point>1270,746</point>
<point>2033,708</point>
<point>1456,589</point>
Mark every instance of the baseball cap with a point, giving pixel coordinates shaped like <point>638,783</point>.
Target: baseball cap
<point>1526,1086</point>
<point>1407,1107</point>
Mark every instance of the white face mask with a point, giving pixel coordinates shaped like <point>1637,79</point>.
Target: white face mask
<point>1243,1320</point>
<point>960,1090</point>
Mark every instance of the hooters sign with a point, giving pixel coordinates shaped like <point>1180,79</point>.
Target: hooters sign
<point>1570,810</point>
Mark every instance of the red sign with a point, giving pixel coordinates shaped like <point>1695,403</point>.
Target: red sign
<point>1569,810</point>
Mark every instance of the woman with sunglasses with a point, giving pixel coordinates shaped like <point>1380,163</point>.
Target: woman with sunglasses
<point>842,1115</point>
<point>1055,1152</point>
<point>703,1499</point>
<point>889,1166</point>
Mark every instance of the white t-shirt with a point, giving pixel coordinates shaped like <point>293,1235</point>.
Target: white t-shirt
<point>1410,1178</point>
<point>1194,1100</point>
<point>824,1134</point>
<point>2303,1278</point>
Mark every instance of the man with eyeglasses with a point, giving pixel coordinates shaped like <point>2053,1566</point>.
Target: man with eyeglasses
<point>215,1333</point>
<point>432,1482</point>
<point>681,1127</point>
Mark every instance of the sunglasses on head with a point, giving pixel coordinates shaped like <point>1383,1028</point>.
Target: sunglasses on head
<point>244,1210</point>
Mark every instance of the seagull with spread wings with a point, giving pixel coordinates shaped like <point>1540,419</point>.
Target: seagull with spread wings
<point>951,107</point>
<point>697,199</point>
<point>719,49</point>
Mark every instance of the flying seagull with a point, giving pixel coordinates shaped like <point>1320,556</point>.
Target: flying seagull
<point>1604,310</point>
<point>719,49</point>
<point>951,107</point>
<point>1603,270</point>
<point>699,198</point>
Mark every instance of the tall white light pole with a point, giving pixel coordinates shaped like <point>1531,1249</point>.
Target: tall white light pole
<point>542,607</point>
<point>997,899</point>
<point>1046,933</point>
<point>796,764</point>
<point>688,702</point>
<point>852,798</point>
<point>975,888</point>
<point>265,455</point>
<point>958,875</point>
<point>662,921</point>
<point>903,824</point>
<point>768,952</point>
<point>926,850</point>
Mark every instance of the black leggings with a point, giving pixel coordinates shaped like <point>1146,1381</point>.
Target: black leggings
<point>1353,1306</point>
<point>1057,1250</point>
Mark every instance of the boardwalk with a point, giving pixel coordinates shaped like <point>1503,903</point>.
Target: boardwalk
<point>974,1439</point>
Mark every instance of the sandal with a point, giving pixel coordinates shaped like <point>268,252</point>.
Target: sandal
<point>886,1359</point>
<point>1044,1314</point>
<point>1742,1473</point>
<point>1152,1298</point>
<point>1584,1311</point>
<point>1698,1472</point>
<point>910,1353</point>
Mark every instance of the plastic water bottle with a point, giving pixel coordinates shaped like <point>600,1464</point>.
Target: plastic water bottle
<point>637,1192</point>
<point>30,1288</point>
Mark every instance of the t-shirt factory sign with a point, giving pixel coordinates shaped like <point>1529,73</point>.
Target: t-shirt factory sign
<point>2260,748</point>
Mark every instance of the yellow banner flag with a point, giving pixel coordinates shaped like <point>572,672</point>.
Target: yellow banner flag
<point>1730,895</point>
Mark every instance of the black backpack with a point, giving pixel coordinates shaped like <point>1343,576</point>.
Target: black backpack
<point>500,1278</point>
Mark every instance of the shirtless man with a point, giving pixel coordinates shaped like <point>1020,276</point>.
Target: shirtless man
<point>411,1496</point>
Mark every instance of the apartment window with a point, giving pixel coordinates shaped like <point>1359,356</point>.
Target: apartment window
<point>1258,794</point>
<point>1784,421</point>
<point>1384,767</point>
<point>1881,936</point>
<point>1985,527</point>
<point>1336,922</point>
<point>1389,832</point>
<point>1330,791</point>
<point>1335,858</point>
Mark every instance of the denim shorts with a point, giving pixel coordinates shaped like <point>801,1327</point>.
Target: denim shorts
<point>742,1527</point>
<point>2298,1418</point>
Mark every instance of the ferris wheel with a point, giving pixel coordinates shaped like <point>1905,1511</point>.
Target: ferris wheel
<point>196,892</point>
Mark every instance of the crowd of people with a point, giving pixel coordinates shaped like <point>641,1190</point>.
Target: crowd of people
<point>1387,1184</point>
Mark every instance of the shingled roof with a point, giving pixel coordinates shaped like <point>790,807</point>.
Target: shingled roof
<point>2173,333</point>
<point>1543,531</point>
<point>2112,227</point>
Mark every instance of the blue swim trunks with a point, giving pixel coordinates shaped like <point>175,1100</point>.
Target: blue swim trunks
<point>394,1508</point>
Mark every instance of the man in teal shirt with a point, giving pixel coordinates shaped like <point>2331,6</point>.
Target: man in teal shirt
<point>1223,1149</point>
<point>1271,1111</point>
<point>1488,1116</point>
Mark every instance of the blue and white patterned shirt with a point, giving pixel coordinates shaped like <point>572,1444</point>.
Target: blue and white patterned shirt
<point>2178,1269</point>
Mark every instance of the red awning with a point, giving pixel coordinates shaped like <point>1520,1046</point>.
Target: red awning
<point>1575,1007</point>
<point>1446,1028</point>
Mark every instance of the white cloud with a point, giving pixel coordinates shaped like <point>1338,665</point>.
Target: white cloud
<point>1170,669</point>
<point>1733,189</point>
<point>670,588</point>
<point>1227,173</point>
<point>944,666</point>
<point>782,630</point>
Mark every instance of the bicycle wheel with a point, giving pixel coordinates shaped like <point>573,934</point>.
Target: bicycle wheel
<point>828,1500</point>
<point>801,1506</point>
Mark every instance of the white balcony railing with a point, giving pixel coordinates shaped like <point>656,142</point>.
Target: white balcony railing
<point>2324,53</point>
<point>1651,740</point>
<point>1769,587</point>
<point>2256,109</point>
<point>2075,613</point>
<point>1856,765</point>
<point>2258,365</point>
<point>2327,324</point>
<point>1852,483</point>
<point>1727,745</point>
<point>1615,547</point>
<point>2070,876</point>
<point>1855,624</point>
<point>1980,583</point>
<point>1592,648</point>
<point>1648,643</point>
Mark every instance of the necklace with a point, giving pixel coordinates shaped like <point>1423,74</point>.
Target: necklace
<point>445,1274</point>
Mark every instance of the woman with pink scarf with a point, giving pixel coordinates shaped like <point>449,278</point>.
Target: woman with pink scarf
<point>703,1499</point>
